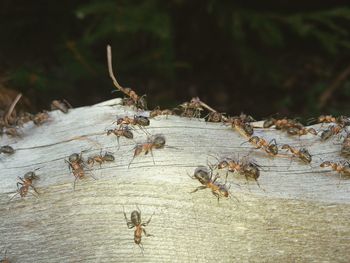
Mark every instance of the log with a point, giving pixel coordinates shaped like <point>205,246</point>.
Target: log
<point>299,214</point>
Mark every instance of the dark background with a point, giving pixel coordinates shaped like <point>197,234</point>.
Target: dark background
<point>260,57</point>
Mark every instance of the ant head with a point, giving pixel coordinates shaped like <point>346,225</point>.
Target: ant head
<point>158,141</point>
<point>74,157</point>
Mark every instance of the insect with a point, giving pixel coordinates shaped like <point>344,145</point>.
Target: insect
<point>303,154</point>
<point>245,128</point>
<point>40,118</point>
<point>25,183</point>
<point>77,165</point>
<point>245,167</point>
<point>7,149</point>
<point>283,123</point>
<point>330,131</point>
<point>122,131</point>
<point>342,167</point>
<point>153,142</point>
<point>341,120</point>
<point>157,111</point>
<point>345,149</point>
<point>63,105</point>
<point>136,221</point>
<point>302,131</point>
<point>5,259</point>
<point>269,122</point>
<point>192,109</point>
<point>206,178</point>
<point>100,159</point>
<point>269,147</point>
<point>215,117</point>
<point>137,120</point>
<point>11,131</point>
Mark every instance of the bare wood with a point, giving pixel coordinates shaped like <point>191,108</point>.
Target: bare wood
<point>303,214</point>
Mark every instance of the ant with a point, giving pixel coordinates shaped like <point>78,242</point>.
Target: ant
<point>269,147</point>
<point>342,167</point>
<point>341,120</point>
<point>244,167</point>
<point>330,131</point>
<point>40,118</point>
<point>154,142</point>
<point>303,154</point>
<point>207,180</point>
<point>5,259</point>
<point>192,109</point>
<point>157,111</point>
<point>26,182</point>
<point>345,150</point>
<point>124,131</point>
<point>63,105</point>
<point>76,165</point>
<point>7,149</point>
<point>107,157</point>
<point>136,221</point>
<point>281,124</point>
<point>216,117</point>
<point>11,131</point>
<point>137,120</point>
<point>302,131</point>
<point>245,128</point>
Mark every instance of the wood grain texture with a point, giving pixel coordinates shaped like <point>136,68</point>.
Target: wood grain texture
<point>302,216</point>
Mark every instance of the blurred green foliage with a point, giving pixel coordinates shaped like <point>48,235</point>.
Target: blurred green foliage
<point>261,57</point>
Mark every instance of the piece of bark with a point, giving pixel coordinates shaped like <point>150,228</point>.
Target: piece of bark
<point>302,216</point>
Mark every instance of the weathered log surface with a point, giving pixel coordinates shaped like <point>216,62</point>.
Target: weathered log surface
<point>302,216</point>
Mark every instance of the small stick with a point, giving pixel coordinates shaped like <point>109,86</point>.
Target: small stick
<point>12,107</point>
<point>111,74</point>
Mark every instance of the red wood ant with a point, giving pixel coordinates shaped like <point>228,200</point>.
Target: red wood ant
<point>136,221</point>
<point>207,180</point>
<point>260,143</point>
<point>77,165</point>
<point>100,159</point>
<point>153,142</point>
<point>302,131</point>
<point>63,105</point>
<point>330,131</point>
<point>249,169</point>
<point>192,109</point>
<point>40,118</point>
<point>122,131</point>
<point>26,182</point>
<point>342,167</point>
<point>157,112</point>
<point>303,154</point>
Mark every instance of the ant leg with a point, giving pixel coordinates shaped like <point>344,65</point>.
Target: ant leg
<point>34,189</point>
<point>149,220</point>
<point>198,188</point>
<point>141,247</point>
<point>152,157</point>
<point>147,235</point>
<point>76,178</point>
<point>131,161</point>
<point>14,195</point>
<point>118,143</point>
<point>33,194</point>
